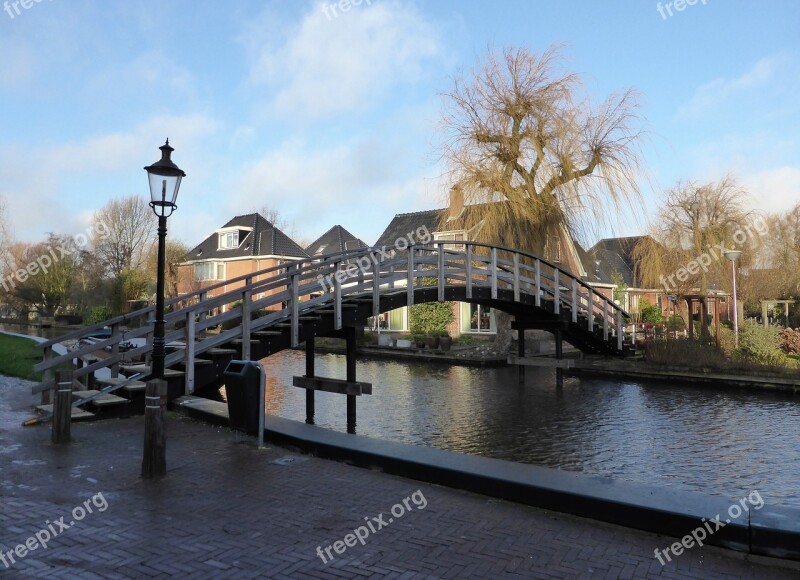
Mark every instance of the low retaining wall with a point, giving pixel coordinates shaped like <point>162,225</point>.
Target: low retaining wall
<point>770,531</point>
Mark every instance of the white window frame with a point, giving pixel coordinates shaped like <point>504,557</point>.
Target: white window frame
<point>228,240</point>
<point>455,235</point>
<point>217,271</point>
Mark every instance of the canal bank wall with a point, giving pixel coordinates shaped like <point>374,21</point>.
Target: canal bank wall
<point>623,369</point>
<point>772,531</point>
<point>639,370</point>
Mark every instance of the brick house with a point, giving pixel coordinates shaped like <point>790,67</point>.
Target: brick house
<point>476,319</point>
<point>247,243</point>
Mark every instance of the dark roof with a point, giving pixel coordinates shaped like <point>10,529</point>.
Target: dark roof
<point>335,240</point>
<point>612,255</point>
<point>595,273</point>
<point>404,224</point>
<point>263,239</point>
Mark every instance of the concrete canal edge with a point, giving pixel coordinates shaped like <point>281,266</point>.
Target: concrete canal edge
<point>772,531</point>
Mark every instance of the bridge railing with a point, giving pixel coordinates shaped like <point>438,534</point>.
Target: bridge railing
<point>285,293</point>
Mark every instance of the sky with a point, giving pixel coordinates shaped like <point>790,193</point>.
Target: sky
<point>332,116</point>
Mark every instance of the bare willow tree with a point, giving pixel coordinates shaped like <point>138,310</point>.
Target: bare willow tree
<point>696,223</point>
<point>535,159</point>
<point>6,239</point>
<point>532,156</point>
<point>778,265</point>
<point>124,232</point>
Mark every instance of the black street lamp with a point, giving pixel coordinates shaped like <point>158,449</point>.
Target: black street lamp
<point>165,181</point>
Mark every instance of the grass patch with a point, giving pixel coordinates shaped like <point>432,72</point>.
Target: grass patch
<point>17,357</point>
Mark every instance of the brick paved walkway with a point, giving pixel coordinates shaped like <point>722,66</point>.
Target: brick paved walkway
<point>228,510</point>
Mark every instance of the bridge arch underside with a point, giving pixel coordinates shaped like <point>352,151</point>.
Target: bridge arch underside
<point>319,322</point>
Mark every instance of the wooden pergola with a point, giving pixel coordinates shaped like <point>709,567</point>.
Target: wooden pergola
<point>703,300</point>
<point>767,304</point>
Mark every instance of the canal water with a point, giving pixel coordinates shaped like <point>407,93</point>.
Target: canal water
<point>725,442</point>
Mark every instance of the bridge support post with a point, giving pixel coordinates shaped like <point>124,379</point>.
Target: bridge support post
<point>310,373</point>
<point>521,353</point>
<point>154,460</point>
<point>351,377</point>
<point>62,408</point>
<point>557,333</point>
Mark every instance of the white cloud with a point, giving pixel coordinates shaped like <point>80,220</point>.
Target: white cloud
<point>775,190</point>
<point>54,189</point>
<point>354,184</point>
<point>711,95</point>
<point>324,66</point>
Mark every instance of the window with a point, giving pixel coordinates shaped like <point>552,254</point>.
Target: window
<point>228,240</point>
<point>477,318</point>
<point>552,249</point>
<point>209,271</point>
<point>451,236</point>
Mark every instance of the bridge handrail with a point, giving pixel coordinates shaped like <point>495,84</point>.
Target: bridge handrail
<point>122,318</point>
<point>294,272</point>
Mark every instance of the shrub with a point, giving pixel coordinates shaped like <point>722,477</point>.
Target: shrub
<point>649,312</point>
<point>98,314</point>
<point>430,318</point>
<point>684,352</point>
<point>761,345</point>
<point>790,340</point>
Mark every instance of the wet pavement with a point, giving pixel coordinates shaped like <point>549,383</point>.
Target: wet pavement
<point>229,510</point>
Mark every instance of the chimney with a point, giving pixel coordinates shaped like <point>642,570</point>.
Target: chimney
<point>456,202</point>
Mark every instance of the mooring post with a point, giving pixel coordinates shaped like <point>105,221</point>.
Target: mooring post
<point>154,461</point>
<point>310,373</point>
<point>559,356</point>
<point>521,353</point>
<point>62,408</point>
<point>351,377</point>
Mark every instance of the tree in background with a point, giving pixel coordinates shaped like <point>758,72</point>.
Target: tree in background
<point>124,233</point>
<point>777,271</point>
<point>176,252</point>
<point>278,220</point>
<point>46,289</point>
<point>520,132</point>
<point>684,252</point>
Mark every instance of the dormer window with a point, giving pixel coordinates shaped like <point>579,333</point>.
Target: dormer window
<point>228,240</point>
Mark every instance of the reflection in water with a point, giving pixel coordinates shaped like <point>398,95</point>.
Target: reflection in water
<point>724,442</point>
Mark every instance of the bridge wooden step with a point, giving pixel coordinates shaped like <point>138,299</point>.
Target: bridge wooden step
<point>145,369</point>
<point>266,333</point>
<point>107,400</point>
<point>218,351</point>
<point>78,414</point>
<point>132,387</point>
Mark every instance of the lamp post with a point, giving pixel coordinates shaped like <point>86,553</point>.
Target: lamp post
<point>165,180</point>
<point>733,255</point>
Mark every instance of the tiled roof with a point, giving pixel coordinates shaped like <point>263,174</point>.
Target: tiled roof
<point>408,223</point>
<point>335,240</point>
<point>615,255</point>
<point>260,238</point>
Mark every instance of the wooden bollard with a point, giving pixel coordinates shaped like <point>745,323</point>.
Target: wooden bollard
<point>154,460</point>
<point>62,408</point>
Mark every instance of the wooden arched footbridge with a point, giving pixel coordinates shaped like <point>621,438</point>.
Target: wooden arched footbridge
<point>265,312</point>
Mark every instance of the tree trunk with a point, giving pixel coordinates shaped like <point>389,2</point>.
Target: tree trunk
<point>502,321</point>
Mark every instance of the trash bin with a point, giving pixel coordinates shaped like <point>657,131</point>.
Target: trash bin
<point>244,380</point>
